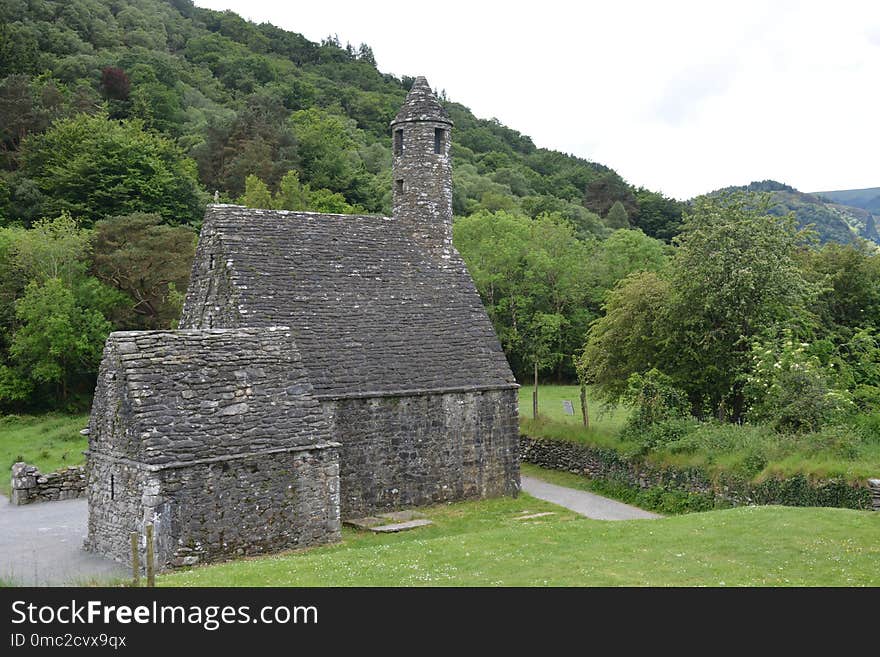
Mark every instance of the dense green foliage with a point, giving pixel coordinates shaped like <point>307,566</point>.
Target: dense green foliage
<point>126,116</point>
<point>748,321</point>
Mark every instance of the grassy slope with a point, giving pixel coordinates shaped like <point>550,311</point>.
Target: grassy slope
<point>786,456</point>
<point>47,441</point>
<point>480,544</point>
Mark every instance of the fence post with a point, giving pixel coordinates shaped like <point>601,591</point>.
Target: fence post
<point>135,560</point>
<point>151,571</point>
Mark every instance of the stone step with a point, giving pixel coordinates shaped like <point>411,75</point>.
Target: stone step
<point>391,517</point>
<point>536,515</point>
<point>401,526</point>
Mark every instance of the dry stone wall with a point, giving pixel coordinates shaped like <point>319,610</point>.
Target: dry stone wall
<point>608,464</point>
<point>30,485</point>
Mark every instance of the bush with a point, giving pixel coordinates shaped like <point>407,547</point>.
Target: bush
<point>790,389</point>
<point>660,410</point>
<point>868,427</point>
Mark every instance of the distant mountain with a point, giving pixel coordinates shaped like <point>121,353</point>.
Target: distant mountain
<point>867,199</point>
<point>835,216</point>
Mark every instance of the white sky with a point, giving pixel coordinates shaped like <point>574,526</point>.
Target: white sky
<point>677,96</point>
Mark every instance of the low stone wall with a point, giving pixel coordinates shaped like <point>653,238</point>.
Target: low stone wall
<point>30,485</point>
<point>874,487</point>
<point>728,490</point>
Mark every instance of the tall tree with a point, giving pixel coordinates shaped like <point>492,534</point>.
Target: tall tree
<point>93,167</point>
<point>149,262</point>
<point>617,216</point>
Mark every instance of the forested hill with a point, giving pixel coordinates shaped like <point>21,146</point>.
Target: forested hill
<point>239,99</point>
<point>833,215</point>
<point>867,199</point>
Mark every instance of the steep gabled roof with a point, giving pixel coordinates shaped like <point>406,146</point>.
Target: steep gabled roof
<point>176,397</point>
<point>370,311</point>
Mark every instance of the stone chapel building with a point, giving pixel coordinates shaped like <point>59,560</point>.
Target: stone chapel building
<point>326,366</point>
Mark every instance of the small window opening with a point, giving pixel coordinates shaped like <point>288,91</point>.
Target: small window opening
<point>439,136</point>
<point>399,184</point>
<point>112,487</point>
<point>398,142</point>
<point>210,321</point>
<point>211,264</point>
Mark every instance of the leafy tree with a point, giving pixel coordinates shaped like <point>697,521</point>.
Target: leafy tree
<point>532,276</point>
<point>327,146</point>
<point>629,338</point>
<point>149,262</point>
<point>617,216</point>
<point>93,167</point>
<point>59,342</point>
<point>115,83</point>
<point>657,216</point>
<point>256,193</point>
<point>292,195</point>
<point>604,191</point>
<point>849,276</point>
<point>733,275</point>
<point>52,248</point>
<point>621,254</point>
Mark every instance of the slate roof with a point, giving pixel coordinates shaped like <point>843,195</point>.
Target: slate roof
<point>421,105</point>
<point>181,396</point>
<point>371,311</point>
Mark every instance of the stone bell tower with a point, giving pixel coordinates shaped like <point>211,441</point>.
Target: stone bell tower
<point>422,167</point>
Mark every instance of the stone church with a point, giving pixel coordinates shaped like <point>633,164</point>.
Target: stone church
<point>326,366</point>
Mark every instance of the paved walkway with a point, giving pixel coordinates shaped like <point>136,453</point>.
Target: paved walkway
<point>41,545</point>
<point>579,501</point>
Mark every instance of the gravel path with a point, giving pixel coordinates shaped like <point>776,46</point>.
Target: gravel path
<point>41,545</point>
<point>587,504</point>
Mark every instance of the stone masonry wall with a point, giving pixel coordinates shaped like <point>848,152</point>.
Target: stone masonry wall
<point>226,508</point>
<point>216,438</point>
<point>30,485</point>
<point>607,464</point>
<point>423,449</point>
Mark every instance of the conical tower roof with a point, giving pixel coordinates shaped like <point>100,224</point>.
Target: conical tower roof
<point>421,105</point>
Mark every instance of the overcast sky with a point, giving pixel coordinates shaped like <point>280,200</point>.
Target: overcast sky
<point>677,96</point>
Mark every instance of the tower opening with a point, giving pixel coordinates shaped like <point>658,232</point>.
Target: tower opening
<point>399,184</point>
<point>398,142</point>
<point>439,137</point>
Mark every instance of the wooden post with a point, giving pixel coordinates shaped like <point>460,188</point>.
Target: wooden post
<point>535,395</point>
<point>135,560</point>
<point>151,571</point>
<point>584,410</point>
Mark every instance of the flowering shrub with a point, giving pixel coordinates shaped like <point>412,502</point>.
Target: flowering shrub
<point>789,387</point>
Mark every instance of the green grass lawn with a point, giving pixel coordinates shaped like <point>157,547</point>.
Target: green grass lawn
<point>550,398</point>
<point>47,441</point>
<point>481,544</point>
<point>553,422</point>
